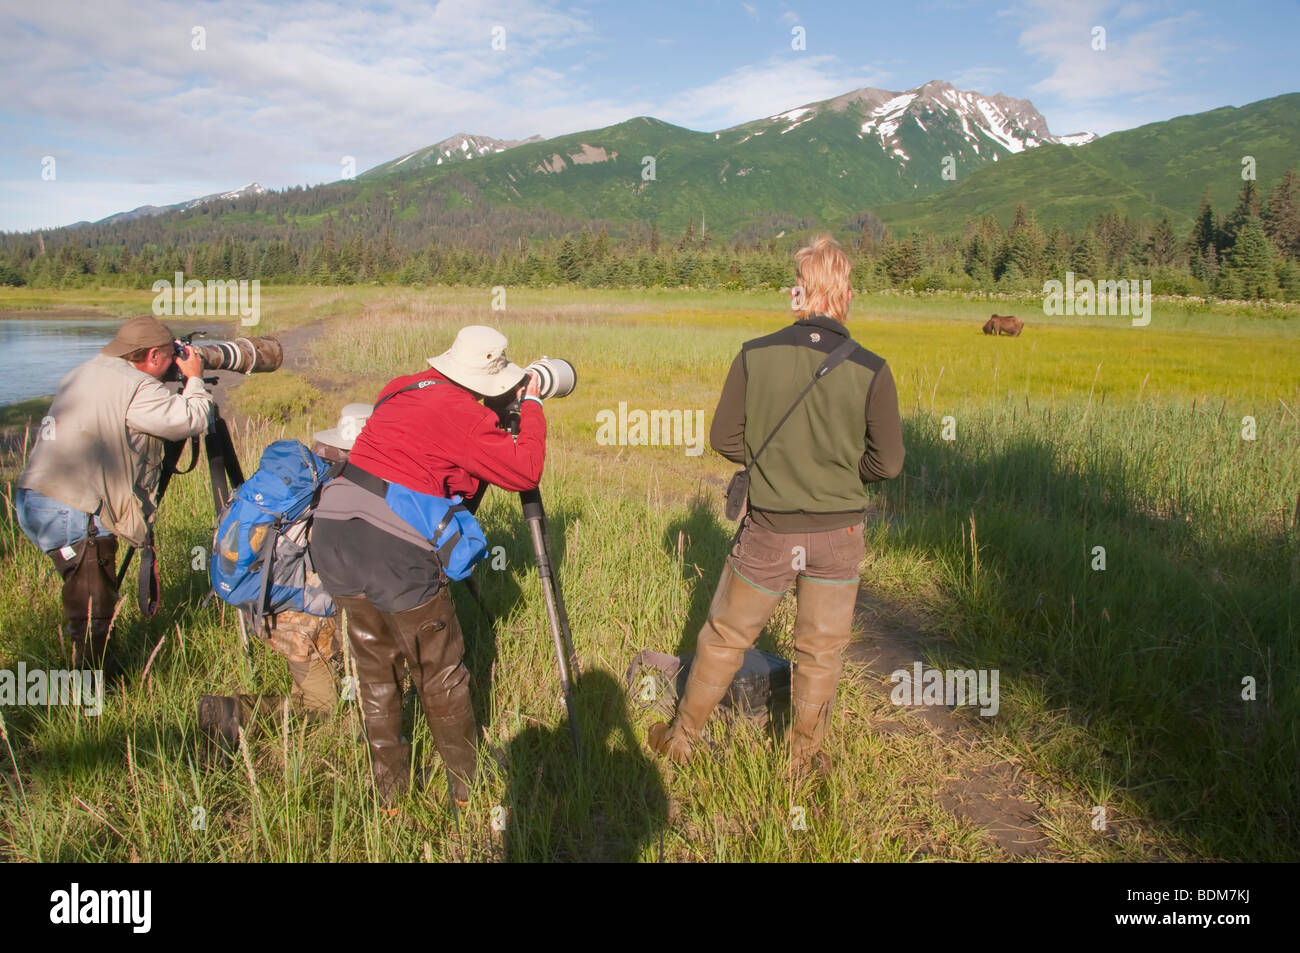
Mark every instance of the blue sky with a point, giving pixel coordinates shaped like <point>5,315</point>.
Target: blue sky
<point>281,92</point>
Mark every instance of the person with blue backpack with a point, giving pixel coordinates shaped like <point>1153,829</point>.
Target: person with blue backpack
<point>380,535</point>
<point>260,566</point>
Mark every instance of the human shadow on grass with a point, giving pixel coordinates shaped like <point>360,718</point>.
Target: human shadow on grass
<point>609,804</point>
<point>1147,656</point>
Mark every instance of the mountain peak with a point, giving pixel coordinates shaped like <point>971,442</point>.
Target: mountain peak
<point>999,122</point>
<point>458,148</point>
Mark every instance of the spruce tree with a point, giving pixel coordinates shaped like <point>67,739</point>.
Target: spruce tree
<point>1086,259</point>
<point>1252,262</point>
<point>1282,215</point>
<point>1206,230</point>
<point>1160,249</point>
<point>1248,208</point>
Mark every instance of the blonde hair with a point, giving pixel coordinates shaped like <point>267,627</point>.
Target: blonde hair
<point>824,277</point>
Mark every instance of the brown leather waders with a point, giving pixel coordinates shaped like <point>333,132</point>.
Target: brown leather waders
<point>736,618</point>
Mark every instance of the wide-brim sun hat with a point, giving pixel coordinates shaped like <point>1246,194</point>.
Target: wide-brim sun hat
<point>477,360</point>
<point>351,420</point>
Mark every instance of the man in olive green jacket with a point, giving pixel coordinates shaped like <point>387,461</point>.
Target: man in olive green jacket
<point>807,502</point>
<point>95,466</point>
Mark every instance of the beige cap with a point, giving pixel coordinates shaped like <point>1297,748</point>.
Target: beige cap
<point>144,331</point>
<point>351,420</point>
<point>477,360</point>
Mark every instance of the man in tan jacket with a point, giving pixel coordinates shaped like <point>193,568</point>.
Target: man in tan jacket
<point>95,466</point>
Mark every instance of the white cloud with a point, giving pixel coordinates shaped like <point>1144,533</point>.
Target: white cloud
<point>1138,58</point>
<point>115,90</point>
<point>764,89</point>
<point>979,78</point>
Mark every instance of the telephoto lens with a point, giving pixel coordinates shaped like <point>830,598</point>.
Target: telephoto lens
<point>555,377</point>
<point>242,355</point>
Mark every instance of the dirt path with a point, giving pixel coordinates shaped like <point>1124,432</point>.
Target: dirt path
<point>990,794</point>
<point>296,343</point>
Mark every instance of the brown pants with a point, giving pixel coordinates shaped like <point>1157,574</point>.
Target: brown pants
<point>772,561</point>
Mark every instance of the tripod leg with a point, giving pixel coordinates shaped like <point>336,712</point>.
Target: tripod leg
<point>536,517</point>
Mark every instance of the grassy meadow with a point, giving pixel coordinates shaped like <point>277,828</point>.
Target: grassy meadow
<point>1120,687</point>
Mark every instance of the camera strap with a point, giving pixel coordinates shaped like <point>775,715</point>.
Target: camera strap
<point>833,360</point>
<point>738,489</point>
<point>147,588</point>
<point>225,474</point>
<point>223,463</point>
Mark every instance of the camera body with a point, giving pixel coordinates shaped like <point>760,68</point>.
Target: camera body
<point>556,377</point>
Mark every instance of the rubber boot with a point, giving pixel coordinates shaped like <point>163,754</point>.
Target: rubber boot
<point>736,618</point>
<point>434,647</point>
<point>223,719</point>
<point>89,598</point>
<point>219,723</point>
<point>377,656</point>
<point>823,626</point>
<point>103,603</point>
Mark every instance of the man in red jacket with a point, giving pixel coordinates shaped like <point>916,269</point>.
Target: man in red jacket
<point>429,433</point>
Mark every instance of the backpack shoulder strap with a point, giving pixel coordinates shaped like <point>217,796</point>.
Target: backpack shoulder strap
<point>267,559</point>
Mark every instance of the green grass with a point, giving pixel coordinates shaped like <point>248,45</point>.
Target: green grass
<point>283,395</point>
<point>1120,687</point>
<point>25,412</point>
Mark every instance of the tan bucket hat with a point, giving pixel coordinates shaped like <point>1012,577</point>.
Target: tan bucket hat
<point>477,360</point>
<point>351,420</point>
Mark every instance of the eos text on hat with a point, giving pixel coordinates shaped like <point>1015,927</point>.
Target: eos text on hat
<point>102,907</point>
<point>217,298</point>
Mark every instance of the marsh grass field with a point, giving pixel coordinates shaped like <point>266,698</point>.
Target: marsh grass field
<point>1120,688</point>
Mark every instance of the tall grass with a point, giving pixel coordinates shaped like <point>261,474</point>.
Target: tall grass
<point>1120,687</point>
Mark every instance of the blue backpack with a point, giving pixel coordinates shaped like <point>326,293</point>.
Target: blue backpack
<point>446,523</point>
<point>259,558</point>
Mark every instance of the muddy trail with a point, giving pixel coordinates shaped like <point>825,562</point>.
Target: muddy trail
<point>989,793</point>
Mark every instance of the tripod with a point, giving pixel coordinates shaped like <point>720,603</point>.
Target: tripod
<point>535,515</point>
<point>557,616</point>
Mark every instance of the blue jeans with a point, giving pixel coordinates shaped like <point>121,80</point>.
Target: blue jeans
<point>50,524</point>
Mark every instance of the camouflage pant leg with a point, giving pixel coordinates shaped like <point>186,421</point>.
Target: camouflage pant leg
<point>300,637</point>
<point>308,643</point>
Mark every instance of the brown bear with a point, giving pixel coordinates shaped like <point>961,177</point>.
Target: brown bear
<point>1004,324</point>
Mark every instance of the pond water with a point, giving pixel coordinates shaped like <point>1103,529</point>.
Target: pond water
<point>36,353</point>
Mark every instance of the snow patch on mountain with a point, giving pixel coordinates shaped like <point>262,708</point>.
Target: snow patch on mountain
<point>938,109</point>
